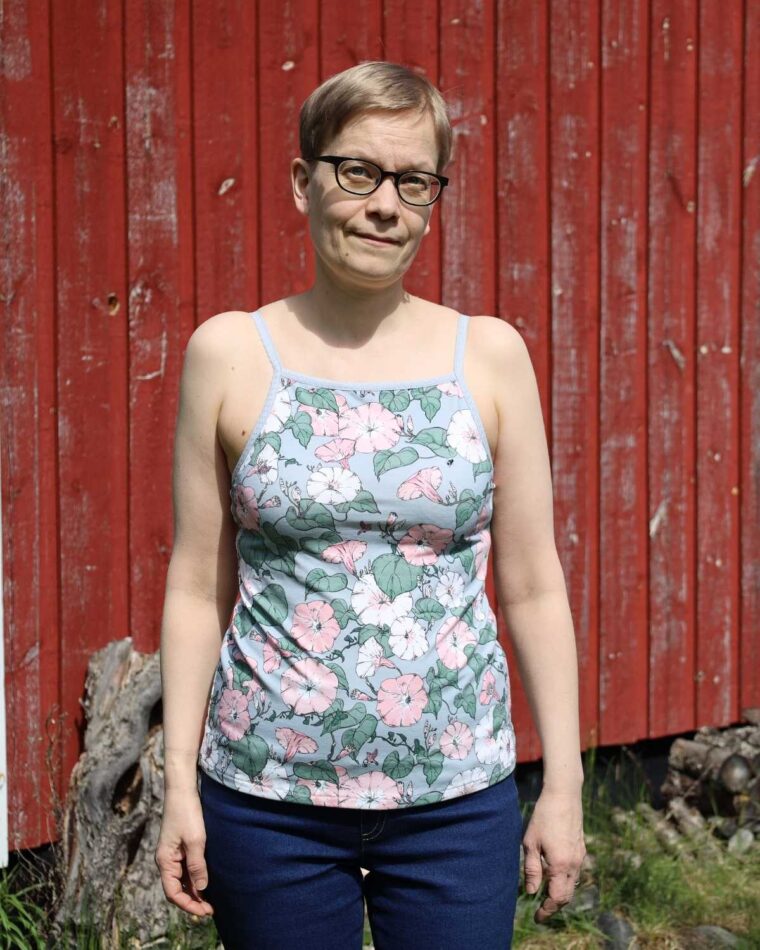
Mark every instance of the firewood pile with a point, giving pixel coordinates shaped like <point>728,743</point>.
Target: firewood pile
<point>711,793</point>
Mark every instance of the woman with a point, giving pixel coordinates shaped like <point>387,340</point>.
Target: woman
<point>372,443</point>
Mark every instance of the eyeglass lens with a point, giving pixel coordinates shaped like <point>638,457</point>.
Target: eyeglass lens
<point>362,177</point>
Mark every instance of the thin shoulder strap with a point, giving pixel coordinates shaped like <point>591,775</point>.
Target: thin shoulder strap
<point>462,324</point>
<point>266,339</point>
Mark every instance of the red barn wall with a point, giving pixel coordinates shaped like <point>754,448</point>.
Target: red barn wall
<point>603,199</point>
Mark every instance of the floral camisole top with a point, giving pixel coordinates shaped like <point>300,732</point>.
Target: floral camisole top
<point>361,667</point>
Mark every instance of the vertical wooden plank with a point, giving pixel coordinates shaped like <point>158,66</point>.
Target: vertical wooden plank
<point>717,362</point>
<point>671,296</point>
<point>468,217</point>
<point>749,660</point>
<point>28,444</point>
<point>574,131</point>
<point>288,59</point>
<point>522,274</point>
<point>225,157</point>
<point>92,351</point>
<point>411,37</point>
<point>348,34</point>
<point>160,304</point>
<point>623,621</point>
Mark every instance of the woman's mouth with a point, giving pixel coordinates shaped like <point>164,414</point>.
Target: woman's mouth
<point>373,239</point>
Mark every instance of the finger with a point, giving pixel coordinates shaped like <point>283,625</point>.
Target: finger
<point>560,890</point>
<point>197,875</point>
<point>178,891</point>
<point>533,870</point>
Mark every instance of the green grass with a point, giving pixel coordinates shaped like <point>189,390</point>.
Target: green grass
<point>669,890</point>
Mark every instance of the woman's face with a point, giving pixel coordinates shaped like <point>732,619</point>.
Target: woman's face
<point>340,222</point>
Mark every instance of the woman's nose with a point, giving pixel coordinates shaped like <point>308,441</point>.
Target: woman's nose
<point>384,199</point>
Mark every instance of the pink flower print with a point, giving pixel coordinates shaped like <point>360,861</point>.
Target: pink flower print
<point>323,421</point>
<point>358,694</point>
<point>373,605</point>
<point>308,686</point>
<point>245,508</point>
<point>423,543</point>
<point>294,742</point>
<point>453,636</point>
<point>488,688</point>
<point>371,658</point>
<point>401,699</point>
<point>488,748</point>
<point>271,782</point>
<point>233,714</point>
<point>372,426</point>
<point>408,639</point>
<point>346,553</point>
<point>451,388</point>
<point>371,790</point>
<point>314,626</point>
<point>471,780</point>
<point>456,740</point>
<point>463,435</point>
<point>425,483</point>
<point>323,792</point>
<point>336,450</point>
<point>332,485</point>
<point>449,589</point>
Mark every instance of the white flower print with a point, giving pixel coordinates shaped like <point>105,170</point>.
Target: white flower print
<point>462,433</point>
<point>333,484</point>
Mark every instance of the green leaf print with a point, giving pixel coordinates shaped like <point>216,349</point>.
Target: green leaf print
<point>479,467</point>
<point>466,509</point>
<point>355,738</point>
<point>266,438</point>
<point>322,771</point>
<point>499,717</point>
<point>432,766</point>
<point>395,400</point>
<point>475,661</point>
<point>435,440</point>
<point>317,399</point>
<point>340,673</point>
<point>250,754</point>
<point>487,634</point>
<point>428,798</point>
<point>314,515</point>
<point>466,700</point>
<point>362,501</point>
<point>387,459</point>
<point>252,549</point>
<point>434,698</point>
<point>299,794</point>
<point>301,425</point>
<point>371,630</point>
<point>271,605</point>
<point>319,580</point>
<point>394,575</point>
<point>430,400</point>
<point>428,609</point>
<point>343,612</point>
<point>499,772</point>
<point>396,767</point>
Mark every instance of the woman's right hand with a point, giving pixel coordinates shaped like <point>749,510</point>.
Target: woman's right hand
<point>180,851</point>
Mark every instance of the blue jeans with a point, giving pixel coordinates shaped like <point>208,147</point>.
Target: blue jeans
<point>286,875</point>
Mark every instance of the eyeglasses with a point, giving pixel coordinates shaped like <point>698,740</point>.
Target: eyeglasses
<point>360,177</point>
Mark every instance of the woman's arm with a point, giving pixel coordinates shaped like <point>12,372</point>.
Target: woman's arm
<point>532,595</point>
<point>201,582</point>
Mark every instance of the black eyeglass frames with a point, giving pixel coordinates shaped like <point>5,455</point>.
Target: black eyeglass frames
<point>360,177</point>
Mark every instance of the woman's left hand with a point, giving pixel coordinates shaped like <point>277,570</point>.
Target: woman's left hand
<point>555,836</point>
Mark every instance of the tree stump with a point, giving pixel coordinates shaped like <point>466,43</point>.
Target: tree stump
<point>112,812</point>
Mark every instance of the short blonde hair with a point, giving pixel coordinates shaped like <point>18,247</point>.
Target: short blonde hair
<point>372,85</point>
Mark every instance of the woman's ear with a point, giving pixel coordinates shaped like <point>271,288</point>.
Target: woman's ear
<point>299,177</point>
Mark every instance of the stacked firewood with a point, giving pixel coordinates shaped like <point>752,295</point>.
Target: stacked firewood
<point>711,792</point>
